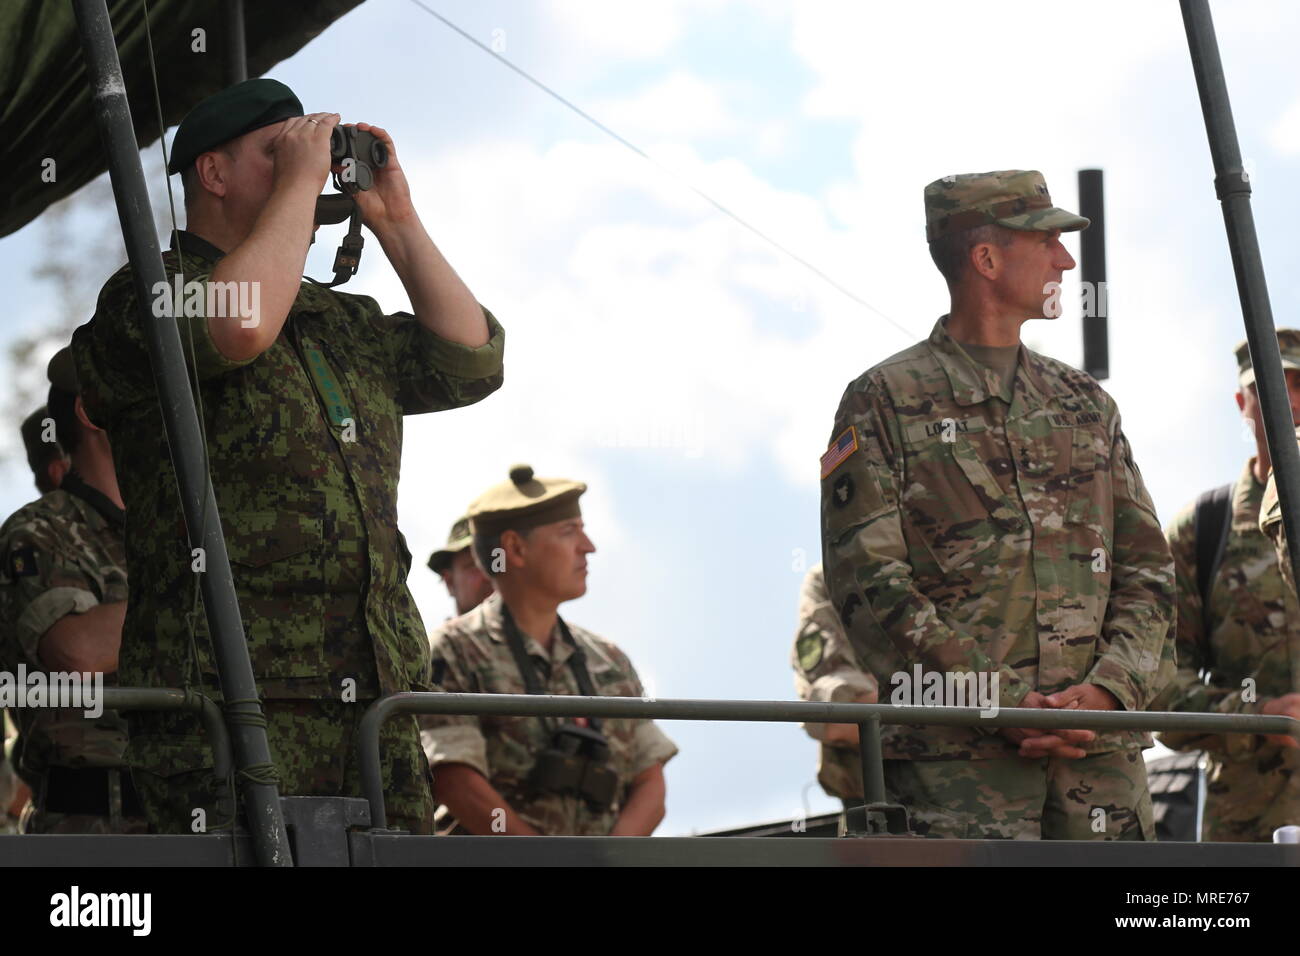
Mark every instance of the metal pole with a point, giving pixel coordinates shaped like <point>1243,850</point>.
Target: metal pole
<point>234,670</point>
<point>1232,186</point>
<point>873,767</point>
<point>236,49</point>
<point>1092,274</point>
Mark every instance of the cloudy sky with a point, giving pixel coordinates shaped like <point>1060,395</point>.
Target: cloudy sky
<point>686,369</point>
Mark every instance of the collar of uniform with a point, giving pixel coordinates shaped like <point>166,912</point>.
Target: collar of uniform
<point>74,485</point>
<point>965,375</point>
<point>195,245</point>
<point>496,630</point>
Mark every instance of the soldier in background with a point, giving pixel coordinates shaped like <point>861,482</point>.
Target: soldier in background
<point>516,775</point>
<point>1236,642</point>
<point>826,671</point>
<point>465,581</point>
<point>62,601</point>
<point>45,458</point>
<point>982,515</point>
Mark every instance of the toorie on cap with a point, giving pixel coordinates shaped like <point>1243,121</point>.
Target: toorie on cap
<point>231,113</point>
<point>524,502</point>
<point>62,371</point>
<point>1015,198</point>
<point>458,539</point>
<point>1288,343</point>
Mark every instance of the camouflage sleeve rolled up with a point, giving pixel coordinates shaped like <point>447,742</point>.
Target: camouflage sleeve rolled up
<point>865,553</point>
<point>453,738</point>
<point>434,373</point>
<point>825,669</point>
<point>46,576</point>
<point>1136,644</point>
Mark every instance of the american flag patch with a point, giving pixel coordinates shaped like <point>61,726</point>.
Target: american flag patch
<point>843,446</point>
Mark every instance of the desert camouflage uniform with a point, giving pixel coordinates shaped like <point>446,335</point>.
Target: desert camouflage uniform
<point>60,555</point>
<point>1231,656</point>
<point>304,447</point>
<point>471,656</point>
<point>967,528</point>
<point>825,671</point>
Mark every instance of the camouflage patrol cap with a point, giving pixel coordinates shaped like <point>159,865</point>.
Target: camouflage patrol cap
<point>524,502</point>
<point>1288,343</point>
<point>224,116</point>
<point>458,539</point>
<point>1015,198</point>
<point>62,371</point>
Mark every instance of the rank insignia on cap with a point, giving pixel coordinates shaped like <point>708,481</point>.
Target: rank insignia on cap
<point>843,446</point>
<point>22,562</point>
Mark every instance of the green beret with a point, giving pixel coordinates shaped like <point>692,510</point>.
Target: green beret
<point>227,115</point>
<point>458,539</point>
<point>524,502</point>
<point>62,371</point>
<point>1288,343</point>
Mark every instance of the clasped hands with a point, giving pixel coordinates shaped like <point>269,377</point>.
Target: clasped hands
<point>1035,743</point>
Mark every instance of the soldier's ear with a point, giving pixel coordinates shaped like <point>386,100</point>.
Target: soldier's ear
<point>83,417</point>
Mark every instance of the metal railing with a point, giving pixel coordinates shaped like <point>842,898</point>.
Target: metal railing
<point>868,717</point>
<point>172,698</point>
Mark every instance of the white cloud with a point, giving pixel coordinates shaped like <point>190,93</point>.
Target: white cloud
<point>681,106</point>
<point>1284,136</point>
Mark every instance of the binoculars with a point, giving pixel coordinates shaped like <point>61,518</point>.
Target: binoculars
<point>360,153</point>
<point>575,764</point>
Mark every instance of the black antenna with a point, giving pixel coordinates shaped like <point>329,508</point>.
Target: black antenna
<point>1092,273</point>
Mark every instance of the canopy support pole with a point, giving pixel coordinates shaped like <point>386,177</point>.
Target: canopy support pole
<point>234,669</point>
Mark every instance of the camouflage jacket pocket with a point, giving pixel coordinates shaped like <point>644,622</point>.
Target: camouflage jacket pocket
<point>277,559</point>
<point>951,499</point>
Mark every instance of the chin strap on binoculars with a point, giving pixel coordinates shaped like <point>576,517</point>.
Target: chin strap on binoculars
<point>348,257</point>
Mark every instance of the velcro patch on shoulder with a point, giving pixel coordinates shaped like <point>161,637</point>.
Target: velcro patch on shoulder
<point>22,562</point>
<point>845,444</point>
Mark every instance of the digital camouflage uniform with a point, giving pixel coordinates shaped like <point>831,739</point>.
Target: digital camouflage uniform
<point>1009,533</point>
<point>470,655</point>
<point>61,555</point>
<point>1232,656</point>
<point>304,448</point>
<point>826,671</point>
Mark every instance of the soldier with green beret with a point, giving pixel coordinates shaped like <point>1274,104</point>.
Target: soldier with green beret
<point>517,775</point>
<point>984,525</point>
<point>62,601</point>
<point>1238,636</point>
<point>466,583</point>
<point>303,390</point>
<point>826,671</point>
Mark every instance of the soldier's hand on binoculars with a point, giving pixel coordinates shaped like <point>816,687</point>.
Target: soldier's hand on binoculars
<point>389,202</point>
<point>301,152</point>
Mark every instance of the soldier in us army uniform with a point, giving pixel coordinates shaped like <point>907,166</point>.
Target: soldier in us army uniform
<point>982,515</point>
<point>826,671</point>
<point>303,393</point>
<point>62,601</point>
<point>465,581</point>
<point>517,775</point>
<point>1236,642</point>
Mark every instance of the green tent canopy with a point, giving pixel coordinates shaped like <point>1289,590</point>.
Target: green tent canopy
<point>45,100</point>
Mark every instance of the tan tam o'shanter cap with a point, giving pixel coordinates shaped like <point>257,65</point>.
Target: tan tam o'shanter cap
<point>1014,198</point>
<point>524,502</point>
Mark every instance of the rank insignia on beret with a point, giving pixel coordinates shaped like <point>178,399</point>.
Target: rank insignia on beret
<point>22,562</point>
<point>843,446</point>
